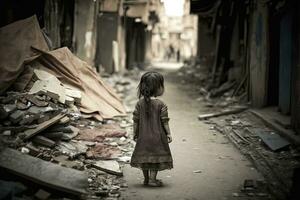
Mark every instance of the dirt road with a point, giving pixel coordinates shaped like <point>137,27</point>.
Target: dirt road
<point>221,168</point>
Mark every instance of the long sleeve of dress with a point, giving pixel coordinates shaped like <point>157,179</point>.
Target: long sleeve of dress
<point>165,119</point>
<point>135,118</point>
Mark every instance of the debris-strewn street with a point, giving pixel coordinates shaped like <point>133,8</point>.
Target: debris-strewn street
<point>207,165</point>
<point>149,99</point>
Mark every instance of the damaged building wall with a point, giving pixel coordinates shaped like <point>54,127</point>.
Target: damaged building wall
<point>85,26</point>
<point>109,52</point>
<point>59,16</point>
<point>206,40</point>
<point>107,23</point>
<point>254,46</point>
<point>295,111</point>
<point>259,55</point>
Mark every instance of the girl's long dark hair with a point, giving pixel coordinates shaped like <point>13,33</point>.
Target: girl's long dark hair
<point>150,85</point>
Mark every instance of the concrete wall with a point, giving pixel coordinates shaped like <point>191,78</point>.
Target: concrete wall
<point>259,55</point>
<point>84,37</point>
<point>295,111</point>
<point>206,41</point>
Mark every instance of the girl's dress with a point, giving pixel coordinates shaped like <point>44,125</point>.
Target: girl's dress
<point>152,150</point>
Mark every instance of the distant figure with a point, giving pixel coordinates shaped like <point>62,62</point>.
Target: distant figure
<point>151,130</point>
<point>171,52</point>
<point>178,55</point>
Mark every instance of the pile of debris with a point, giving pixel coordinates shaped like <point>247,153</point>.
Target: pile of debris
<point>58,124</point>
<point>274,156</point>
<point>214,92</point>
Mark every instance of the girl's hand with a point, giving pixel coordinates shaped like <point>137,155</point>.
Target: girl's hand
<point>169,138</point>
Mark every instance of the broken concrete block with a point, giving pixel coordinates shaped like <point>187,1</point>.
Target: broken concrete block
<point>6,132</point>
<point>69,136</point>
<point>38,110</point>
<point>125,159</point>
<point>49,83</point>
<point>64,120</point>
<point>109,166</point>
<point>60,128</point>
<point>36,101</point>
<point>16,116</point>
<point>9,108</point>
<point>69,100</point>
<point>25,150</point>
<point>56,136</point>
<point>42,194</point>
<point>72,148</point>
<point>41,140</point>
<point>43,118</point>
<point>28,119</point>
<point>75,94</point>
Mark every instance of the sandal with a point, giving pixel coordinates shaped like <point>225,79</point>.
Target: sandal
<point>156,183</point>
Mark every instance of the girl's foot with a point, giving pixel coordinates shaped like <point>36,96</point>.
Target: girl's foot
<point>155,183</point>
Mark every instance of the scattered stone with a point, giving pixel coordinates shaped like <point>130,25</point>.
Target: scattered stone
<point>42,194</point>
<point>6,132</point>
<point>109,166</point>
<point>25,150</point>
<point>16,116</point>
<point>197,171</point>
<point>72,148</point>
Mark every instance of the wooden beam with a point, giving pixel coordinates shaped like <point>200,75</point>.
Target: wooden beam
<point>44,173</point>
<point>32,132</point>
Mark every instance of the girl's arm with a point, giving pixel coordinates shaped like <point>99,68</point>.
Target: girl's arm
<point>136,116</point>
<point>135,131</point>
<point>165,121</point>
<point>167,129</point>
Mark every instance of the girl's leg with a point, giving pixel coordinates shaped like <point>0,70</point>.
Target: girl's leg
<point>146,176</point>
<point>153,174</point>
<point>153,181</point>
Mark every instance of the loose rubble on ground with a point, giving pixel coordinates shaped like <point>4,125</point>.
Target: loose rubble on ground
<point>64,132</point>
<point>227,112</point>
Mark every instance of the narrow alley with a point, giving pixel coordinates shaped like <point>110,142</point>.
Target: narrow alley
<point>150,100</point>
<point>206,164</point>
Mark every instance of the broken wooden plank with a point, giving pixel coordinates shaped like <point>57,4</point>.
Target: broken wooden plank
<point>271,139</point>
<point>41,140</point>
<point>44,173</point>
<point>109,166</point>
<point>224,112</point>
<point>32,132</point>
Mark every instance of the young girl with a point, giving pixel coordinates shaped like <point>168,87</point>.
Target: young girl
<point>151,130</point>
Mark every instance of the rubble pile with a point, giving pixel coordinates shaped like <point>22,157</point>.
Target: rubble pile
<point>272,155</point>
<point>58,119</point>
<point>40,125</point>
<point>213,91</point>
